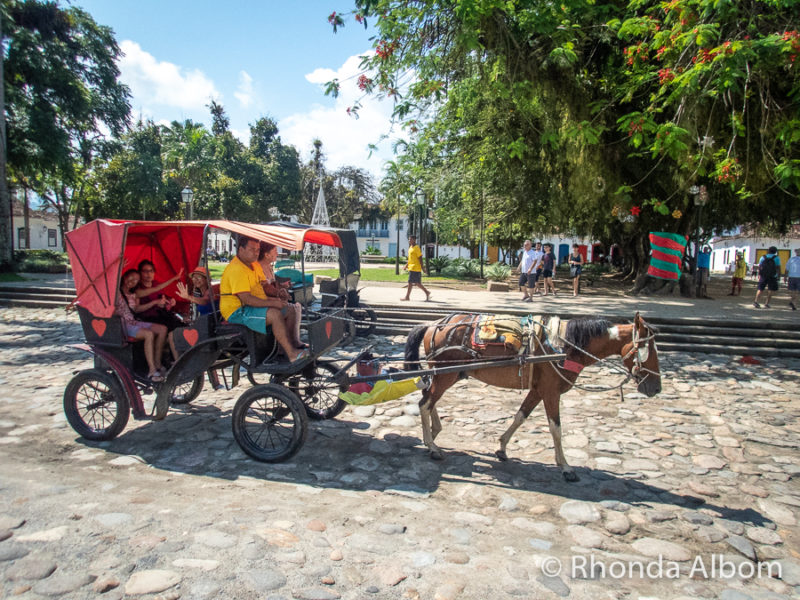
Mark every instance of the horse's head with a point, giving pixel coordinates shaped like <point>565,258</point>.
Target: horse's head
<point>640,357</point>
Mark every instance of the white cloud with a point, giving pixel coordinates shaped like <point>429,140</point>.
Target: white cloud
<point>345,139</point>
<point>160,83</point>
<point>244,93</point>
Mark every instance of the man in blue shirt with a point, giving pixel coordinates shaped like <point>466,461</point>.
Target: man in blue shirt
<point>769,268</point>
<point>701,277</point>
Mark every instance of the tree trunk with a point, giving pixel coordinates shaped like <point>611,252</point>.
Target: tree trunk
<point>26,217</point>
<point>6,223</point>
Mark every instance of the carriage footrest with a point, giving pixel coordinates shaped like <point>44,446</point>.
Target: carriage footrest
<point>283,367</point>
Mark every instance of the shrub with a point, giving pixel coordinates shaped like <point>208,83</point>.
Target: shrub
<point>464,268</point>
<point>41,261</point>
<point>372,251</point>
<point>498,272</point>
<point>439,263</point>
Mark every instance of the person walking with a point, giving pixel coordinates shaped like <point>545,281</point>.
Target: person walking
<point>769,268</point>
<point>792,278</point>
<point>575,268</point>
<point>525,266</point>
<point>548,266</point>
<point>414,268</point>
<point>535,272</point>
<point>739,273</point>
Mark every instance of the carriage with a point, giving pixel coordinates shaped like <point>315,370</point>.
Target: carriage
<point>269,419</point>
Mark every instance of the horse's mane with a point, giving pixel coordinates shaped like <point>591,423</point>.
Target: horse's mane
<point>581,331</point>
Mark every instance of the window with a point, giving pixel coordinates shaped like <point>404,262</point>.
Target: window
<point>52,238</point>
<point>21,238</point>
<point>384,224</point>
<point>399,224</point>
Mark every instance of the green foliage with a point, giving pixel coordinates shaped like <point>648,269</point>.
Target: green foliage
<point>372,251</point>
<point>439,263</point>
<point>41,261</point>
<point>498,272</point>
<point>463,268</point>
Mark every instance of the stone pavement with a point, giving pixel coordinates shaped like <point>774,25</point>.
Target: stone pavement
<point>690,494</point>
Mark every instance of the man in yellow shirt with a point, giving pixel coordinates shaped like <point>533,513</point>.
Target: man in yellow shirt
<point>414,268</point>
<point>244,302</point>
<point>739,273</point>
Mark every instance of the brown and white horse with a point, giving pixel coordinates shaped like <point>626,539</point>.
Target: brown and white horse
<point>585,341</point>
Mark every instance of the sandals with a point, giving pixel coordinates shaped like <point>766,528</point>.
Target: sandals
<point>156,377</point>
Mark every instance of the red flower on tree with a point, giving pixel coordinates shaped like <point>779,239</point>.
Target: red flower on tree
<point>363,82</point>
<point>635,210</point>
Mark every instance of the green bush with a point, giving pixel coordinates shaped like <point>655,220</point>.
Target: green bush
<point>463,268</point>
<point>439,263</point>
<point>390,260</point>
<point>498,272</point>
<point>372,251</point>
<point>41,261</point>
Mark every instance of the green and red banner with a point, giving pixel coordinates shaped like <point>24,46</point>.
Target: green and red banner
<point>666,255</point>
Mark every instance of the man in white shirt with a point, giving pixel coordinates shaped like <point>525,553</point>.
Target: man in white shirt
<point>525,264</point>
<point>534,273</point>
<point>792,277</point>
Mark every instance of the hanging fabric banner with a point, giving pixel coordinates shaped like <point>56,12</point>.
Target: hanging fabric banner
<point>666,255</point>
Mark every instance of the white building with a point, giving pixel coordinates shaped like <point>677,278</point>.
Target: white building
<point>724,248</point>
<point>43,225</point>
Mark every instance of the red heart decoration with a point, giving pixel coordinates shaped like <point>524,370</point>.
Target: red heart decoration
<point>191,335</point>
<point>99,326</point>
<point>328,328</point>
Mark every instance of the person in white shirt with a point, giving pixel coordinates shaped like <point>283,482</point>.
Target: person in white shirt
<point>792,277</point>
<point>525,264</point>
<point>535,272</point>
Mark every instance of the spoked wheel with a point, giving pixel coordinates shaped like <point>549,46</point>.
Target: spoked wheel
<point>186,392</point>
<point>95,405</point>
<point>269,423</point>
<point>365,320</point>
<point>320,397</point>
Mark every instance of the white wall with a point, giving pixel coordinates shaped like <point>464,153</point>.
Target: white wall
<point>44,232</point>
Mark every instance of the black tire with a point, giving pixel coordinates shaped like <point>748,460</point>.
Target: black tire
<point>186,392</point>
<point>269,423</point>
<point>365,320</point>
<point>320,398</point>
<point>96,406</point>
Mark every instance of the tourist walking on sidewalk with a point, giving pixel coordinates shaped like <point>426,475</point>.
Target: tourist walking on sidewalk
<point>792,277</point>
<point>575,268</point>
<point>703,268</point>
<point>769,268</point>
<point>739,273</point>
<point>525,266</point>
<point>548,266</point>
<point>414,268</point>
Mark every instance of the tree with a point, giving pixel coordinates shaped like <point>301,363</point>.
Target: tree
<point>595,117</point>
<point>62,92</point>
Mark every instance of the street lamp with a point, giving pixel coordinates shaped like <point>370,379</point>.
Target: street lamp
<point>421,204</point>
<point>188,195</point>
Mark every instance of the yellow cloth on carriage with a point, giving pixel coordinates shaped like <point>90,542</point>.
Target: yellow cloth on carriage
<point>491,328</point>
<point>383,391</point>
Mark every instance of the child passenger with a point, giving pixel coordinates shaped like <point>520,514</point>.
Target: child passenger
<point>154,335</point>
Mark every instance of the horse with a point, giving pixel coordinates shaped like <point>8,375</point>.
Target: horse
<point>448,342</point>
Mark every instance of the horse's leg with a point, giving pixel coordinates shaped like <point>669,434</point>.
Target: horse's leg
<point>554,421</point>
<point>431,424</point>
<point>530,402</point>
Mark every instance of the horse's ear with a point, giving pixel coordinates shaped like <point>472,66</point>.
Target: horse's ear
<point>637,320</point>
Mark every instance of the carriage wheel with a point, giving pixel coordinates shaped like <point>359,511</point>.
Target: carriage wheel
<point>349,333</point>
<point>95,405</point>
<point>269,423</point>
<point>365,320</point>
<point>320,397</point>
<point>186,392</point>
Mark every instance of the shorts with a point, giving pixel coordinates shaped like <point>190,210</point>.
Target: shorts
<point>771,283</point>
<point>547,273</point>
<point>252,317</point>
<point>415,277</point>
<point>794,284</point>
<point>701,277</point>
<point>134,329</point>
<point>523,279</point>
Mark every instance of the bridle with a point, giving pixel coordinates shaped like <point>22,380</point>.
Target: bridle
<point>640,353</point>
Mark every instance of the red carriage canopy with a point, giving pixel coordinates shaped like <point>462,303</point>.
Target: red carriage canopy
<point>102,250</point>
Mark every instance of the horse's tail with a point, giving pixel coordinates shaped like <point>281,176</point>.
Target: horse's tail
<point>412,347</point>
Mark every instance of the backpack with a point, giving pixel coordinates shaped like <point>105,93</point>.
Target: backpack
<point>766,269</point>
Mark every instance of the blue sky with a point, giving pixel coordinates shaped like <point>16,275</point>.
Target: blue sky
<point>257,58</point>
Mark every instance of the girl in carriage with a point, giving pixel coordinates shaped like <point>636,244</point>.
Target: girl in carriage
<point>154,335</point>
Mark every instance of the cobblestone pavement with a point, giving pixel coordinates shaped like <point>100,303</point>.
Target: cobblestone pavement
<point>703,475</point>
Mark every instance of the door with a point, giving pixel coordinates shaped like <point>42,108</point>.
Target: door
<point>392,249</point>
<point>563,253</point>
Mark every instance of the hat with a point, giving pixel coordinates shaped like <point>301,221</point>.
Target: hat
<point>200,271</point>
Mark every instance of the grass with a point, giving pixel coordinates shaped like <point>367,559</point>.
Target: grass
<point>4,277</point>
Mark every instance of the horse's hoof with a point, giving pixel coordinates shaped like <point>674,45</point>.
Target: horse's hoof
<point>501,454</point>
<point>436,455</point>
<point>570,476</point>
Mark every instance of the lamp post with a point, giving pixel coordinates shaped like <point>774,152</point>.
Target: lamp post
<point>187,195</point>
<point>421,232</point>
